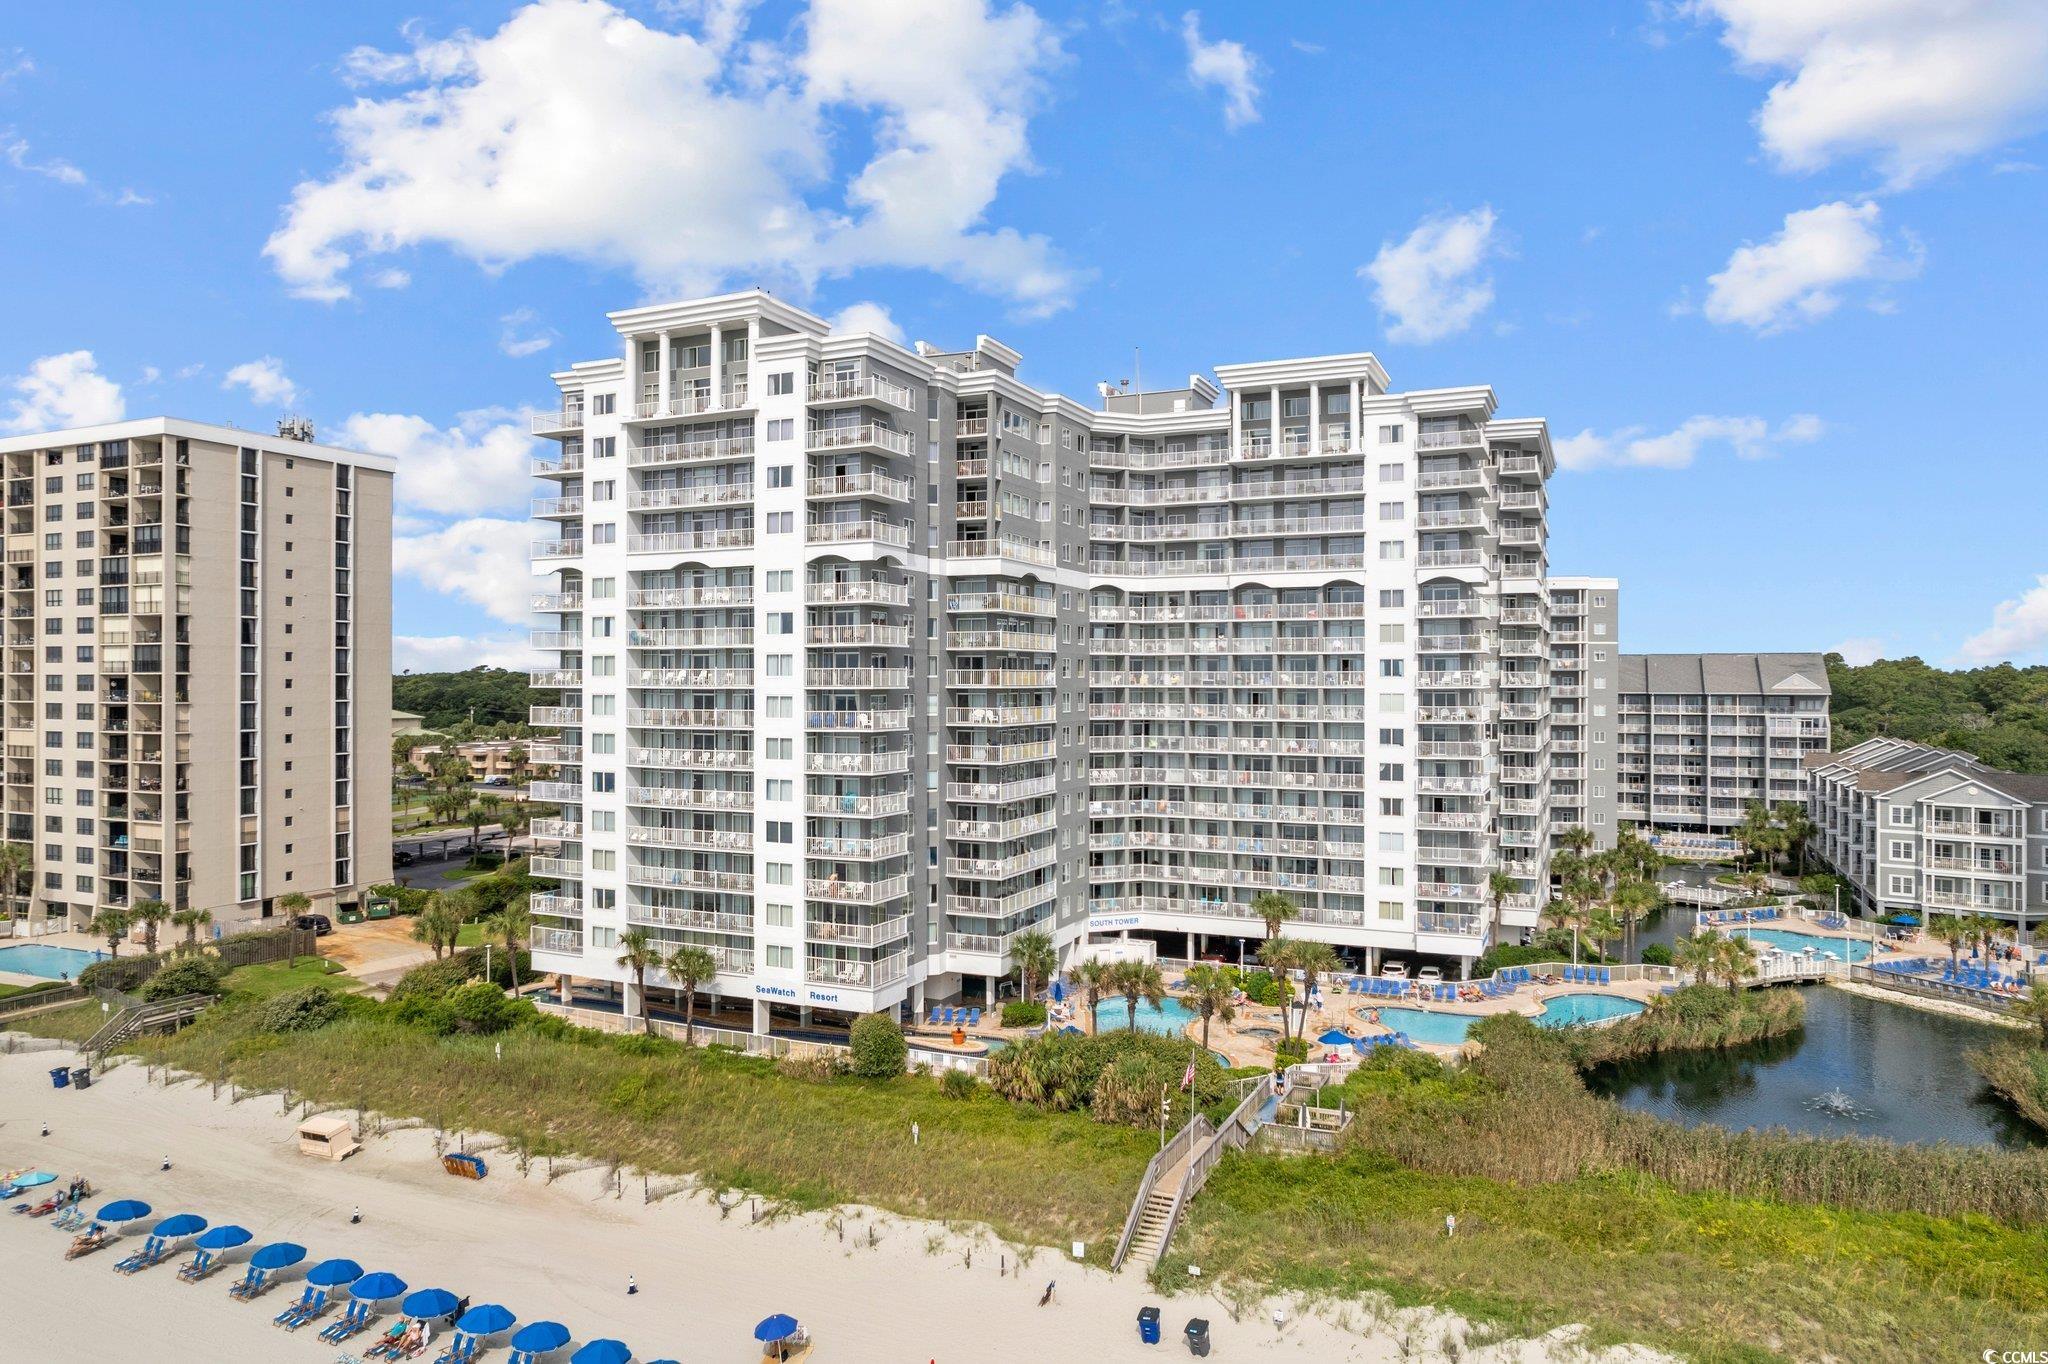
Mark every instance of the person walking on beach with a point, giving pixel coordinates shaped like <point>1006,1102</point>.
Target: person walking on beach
<point>632,1286</point>
<point>1046,1297</point>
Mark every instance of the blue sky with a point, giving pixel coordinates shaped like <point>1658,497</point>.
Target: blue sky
<point>1771,271</point>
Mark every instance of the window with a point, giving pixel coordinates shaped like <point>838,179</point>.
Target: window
<point>778,873</point>
<point>1393,632</point>
<point>780,707</point>
<point>1394,738</point>
<point>781,749</point>
<point>604,490</point>
<point>782,580</point>
<point>780,916</point>
<point>780,622</point>
<point>605,533</point>
<point>1393,549</point>
<point>778,665</point>
<point>1393,772</point>
<point>781,475</point>
<point>783,957</point>
<point>781,384</point>
<point>1390,435</point>
<point>1393,667</point>
<point>781,789</point>
<point>782,429</point>
<point>1393,597</point>
<point>603,589</point>
<point>781,523</point>
<point>603,404</point>
<point>1393,511</point>
<point>604,447</point>
<point>1393,473</point>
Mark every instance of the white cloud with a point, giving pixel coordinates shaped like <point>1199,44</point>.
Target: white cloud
<point>60,391</point>
<point>18,155</point>
<point>457,653</point>
<point>1431,283</point>
<point>265,380</point>
<point>867,316</point>
<point>1858,650</point>
<point>15,62</point>
<point>391,278</point>
<point>482,559</point>
<point>1798,276</point>
<point>1227,66</point>
<point>150,374</point>
<point>480,464</point>
<point>517,346</point>
<point>722,168</point>
<point>1633,447</point>
<point>1914,84</point>
<point>2018,629</point>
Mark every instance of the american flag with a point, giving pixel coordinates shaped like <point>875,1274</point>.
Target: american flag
<point>1187,1080</point>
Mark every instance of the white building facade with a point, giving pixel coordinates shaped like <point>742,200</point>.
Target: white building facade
<point>871,658</point>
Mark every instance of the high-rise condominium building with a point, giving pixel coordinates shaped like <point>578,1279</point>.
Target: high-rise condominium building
<point>1923,830</point>
<point>198,668</point>
<point>1703,736</point>
<point>1585,663</point>
<point>870,658</point>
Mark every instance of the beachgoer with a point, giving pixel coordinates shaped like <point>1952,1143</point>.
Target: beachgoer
<point>1046,1297</point>
<point>355,1215</point>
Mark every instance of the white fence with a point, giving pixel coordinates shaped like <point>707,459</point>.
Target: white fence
<point>752,1043</point>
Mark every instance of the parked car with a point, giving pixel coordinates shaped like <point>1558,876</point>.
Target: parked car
<point>1430,975</point>
<point>319,923</point>
<point>403,858</point>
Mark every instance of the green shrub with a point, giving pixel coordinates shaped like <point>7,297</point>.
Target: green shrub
<point>1292,1051</point>
<point>1263,988</point>
<point>433,978</point>
<point>125,974</point>
<point>879,1051</point>
<point>301,1010</point>
<point>1067,1073</point>
<point>481,1007</point>
<point>188,975</point>
<point>1023,1013</point>
<point>958,1084</point>
<point>1656,954</point>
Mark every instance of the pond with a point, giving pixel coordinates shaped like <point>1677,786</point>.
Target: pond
<point>1860,1067</point>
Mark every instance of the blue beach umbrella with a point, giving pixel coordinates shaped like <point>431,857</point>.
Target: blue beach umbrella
<point>1336,1037</point>
<point>377,1287</point>
<point>183,1224</point>
<point>539,1337</point>
<point>781,1326</point>
<point>485,1320</point>
<point>1906,920</point>
<point>224,1238</point>
<point>35,1179</point>
<point>430,1303</point>
<point>334,1273</point>
<point>123,1210</point>
<point>603,1352</point>
<point>278,1255</point>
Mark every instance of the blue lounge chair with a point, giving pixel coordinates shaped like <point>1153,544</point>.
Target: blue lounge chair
<point>299,1313</point>
<point>1606,976</point>
<point>202,1265</point>
<point>461,1351</point>
<point>351,1323</point>
<point>250,1285</point>
<point>933,1021</point>
<point>974,1018</point>
<point>151,1252</point>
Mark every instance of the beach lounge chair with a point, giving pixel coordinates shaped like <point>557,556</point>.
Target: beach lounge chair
<point>462,1350</point>
<point>974,1018</point>
<point>291,1314</point>
<point>85,1243</point>
<point>199,1267</point>
<point>152,1251</point>
<point>250,1285</point>
<point>67,1219</point>
<point>350,1323</point>
<point>1606,976</point>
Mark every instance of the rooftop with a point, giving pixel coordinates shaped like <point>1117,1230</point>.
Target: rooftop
<point>1723,674</point>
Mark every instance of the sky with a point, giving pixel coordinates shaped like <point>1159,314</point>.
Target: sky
<point>1770,268</point>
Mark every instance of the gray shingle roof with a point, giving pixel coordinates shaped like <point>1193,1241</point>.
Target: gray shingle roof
<point>1724,674</point>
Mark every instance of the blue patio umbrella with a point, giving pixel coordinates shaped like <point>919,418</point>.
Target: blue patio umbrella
<point>183,1224</point>
<point>35,1179</point>
<point>781,1326</point>
<point>278,1255</point>
<point>224,1238</point>
<point>540,1336</point>
<point>334,1273</point>
<point>377,1287</point>
<point>123,1210</point>
<point>485,1320</point>
<point>1906,920</point>
<point>430,1303</point>
<point>1336,1037</point>
<point>603,1352</point>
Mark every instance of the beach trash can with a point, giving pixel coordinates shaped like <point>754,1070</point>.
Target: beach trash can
<point>60,1077</point>
<point>1198,1336</point>
<point>1148,1325</point>
<point>81,1078</point>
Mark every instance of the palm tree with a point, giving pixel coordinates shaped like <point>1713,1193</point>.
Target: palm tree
<point>1133,979</point>
<point>1756,830</point>
<point>1632,900</point>
<point>294,903</point>
<point>1278,956</point>
<point>192,920</point>
<point>1276,909</point>
<point>110,923</point>
<point>1092,976</point>
<point>437,925</point>
<point>17,861</point>
<point>1033,959</point>
<point>1313,960</point>
<point>690,966</point>
<point>1699,955</point>
<point>639,954</point>
<point>1499,885</point>
<point>1576,839</point>
<point>1983,928</point>
<point>1794,828</point>
<point>2033,1008</point>
<point>510,925</point>
<point>1952,931</point>
<point>151,915</point>
<point>1735,960</point>
<point>1209,992</point>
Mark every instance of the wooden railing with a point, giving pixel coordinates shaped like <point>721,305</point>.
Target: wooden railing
<point>1169,1155</point>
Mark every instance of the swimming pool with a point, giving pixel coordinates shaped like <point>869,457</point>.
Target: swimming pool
<point>1170,1019</point>
<point>1446,1030</point>
<point>1566,1010</point>
<point>1795,943</point>
<point>51,963</point>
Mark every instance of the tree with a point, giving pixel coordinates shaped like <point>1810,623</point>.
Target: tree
<point>110,923</point>
<point>1699,955</point>
<point>192,920</point>
<point>1794,829</point>
<point>1275,909</point>
<point>17,861</point>
<point>451,772</point>
<point>476,817</point>
<point>438,925</point>
<point>1278,955</point>
<point>877,1047</point>
<point>1092,976</point>
<point>1756,833</point>
<point>689,966</point>
<point>1735,960</point>
<point>1133,979</point>
<point>1982,930</point>
<point>2032,1007</point>
<point>1209,992</point>
<point>1313,960</point>
<point>510,925</point>
<point>1632,900</point>
<point>1952,931</point>
<point>294,903</point>
<point>1033,959</point>
<point>639,954</point>
<point>151,915</point>
<point>1576,839</point>
<point>1499,885</point>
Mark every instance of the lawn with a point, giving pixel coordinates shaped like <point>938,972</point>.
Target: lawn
<point>271,978</point>
<point>1712,1277</point>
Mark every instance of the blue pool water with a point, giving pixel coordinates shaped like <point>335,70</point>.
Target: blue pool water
<point>1566,1010</point>
<point>1798,942</point>
<point>51,963</point>
<point>1170,1018</point>
<point>1423,1026</point>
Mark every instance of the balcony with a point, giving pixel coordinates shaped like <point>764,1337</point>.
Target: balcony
<point>682,718</point>
<point>849,532</point>
<point>848,806</point>
<point>689,798</point>
<point>564,792</point>
<point>558,601</point>
<point>874,636</point>
<point>557,549</point>
<point>858,935</point>
<point>879,720</point>
<point>688,598</point>
<point>866,975</point>
<point>691,759</point>
<point>857,592</point>
<point>861,485</point>
<point>856,764</point>
<point>555,677</point>
<point>837,891</point>
<point>857,679</point>
<point>691,541</point>
<point>853,388</point>
<point>667,679</point>
<point>1002,548</point>
<point>1449,438</point>
<point>867,436</point>
<point>548,507</point>
<point>691,495</point>
<point>566,422</point>
<point>650,454</point>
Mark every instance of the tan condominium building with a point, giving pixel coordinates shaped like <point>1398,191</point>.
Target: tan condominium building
<point>197,657</point>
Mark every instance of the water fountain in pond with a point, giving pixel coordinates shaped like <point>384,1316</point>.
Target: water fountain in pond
<point>1837,1104</point>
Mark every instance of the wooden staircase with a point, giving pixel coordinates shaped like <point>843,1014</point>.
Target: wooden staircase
<point>141,1018</point>
<point>1155,1218</point>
